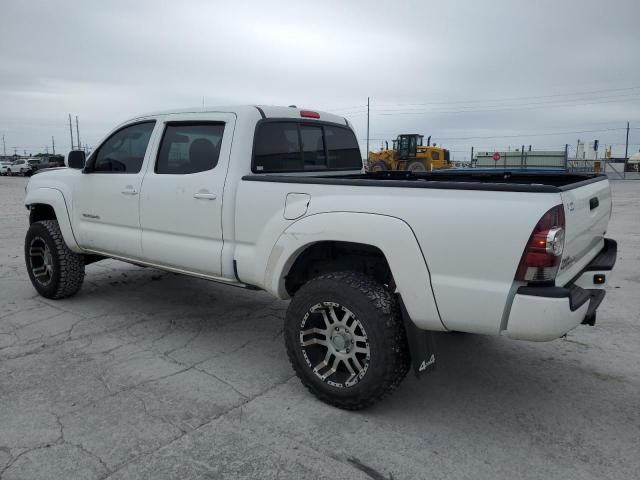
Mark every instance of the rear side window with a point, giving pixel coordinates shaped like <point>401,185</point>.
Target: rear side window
<point>189,148</point>
<point>296,146</point>
<point>343,148</point>
<point>124,151</point>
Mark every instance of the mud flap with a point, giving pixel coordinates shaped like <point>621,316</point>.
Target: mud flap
<point>421,344</point>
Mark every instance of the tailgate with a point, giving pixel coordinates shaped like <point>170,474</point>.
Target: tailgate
<point>587,210</point>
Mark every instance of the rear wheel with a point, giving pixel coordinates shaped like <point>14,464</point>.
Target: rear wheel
<point>345,339</point>
<point>417,167</point>
<point>54,270</point>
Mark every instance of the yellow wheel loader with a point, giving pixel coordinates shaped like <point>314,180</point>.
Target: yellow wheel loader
<point>408,153</point>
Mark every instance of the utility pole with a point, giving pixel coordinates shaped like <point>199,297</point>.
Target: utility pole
<point>71,131</point>
<point>46,148</point>
<point>4,147</point>
<point>53,144</point>
<point>626,146</point>
<point>471,159</point>
<point>78,134</point>
<point>367,130</point>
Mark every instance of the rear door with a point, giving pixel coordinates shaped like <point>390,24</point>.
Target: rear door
<point>587,210</point>
<point>181,195</point>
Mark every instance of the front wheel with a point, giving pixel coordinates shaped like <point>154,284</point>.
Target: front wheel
<point>55,271</point>
<point>345,339</point>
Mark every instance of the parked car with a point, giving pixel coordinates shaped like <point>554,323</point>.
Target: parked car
<point>55,161</point>
<point>5,168</point>
<point>37,164</point>
<point>274,198</point>
<point>20,167</point>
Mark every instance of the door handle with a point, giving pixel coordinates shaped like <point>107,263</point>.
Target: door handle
<point>204,196</point>
<point>129,191</point>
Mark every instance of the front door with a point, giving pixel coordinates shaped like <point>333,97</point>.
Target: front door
<point>181,195</point>
<point>106,198</point>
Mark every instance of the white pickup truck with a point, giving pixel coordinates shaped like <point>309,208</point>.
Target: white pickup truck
<point>274,198</point>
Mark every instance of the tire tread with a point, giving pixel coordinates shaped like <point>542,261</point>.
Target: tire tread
<point>70,264</point>
<point>383,301</point>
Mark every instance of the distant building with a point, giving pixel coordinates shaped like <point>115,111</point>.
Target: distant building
<point>522,159</point>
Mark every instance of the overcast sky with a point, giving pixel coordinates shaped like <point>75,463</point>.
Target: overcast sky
<point>492,74</point>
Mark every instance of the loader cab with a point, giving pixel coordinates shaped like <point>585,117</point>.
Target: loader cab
<point>407,144</point>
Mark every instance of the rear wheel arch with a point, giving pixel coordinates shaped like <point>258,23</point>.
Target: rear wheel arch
<point>383,236</point>
<point>324,257</point>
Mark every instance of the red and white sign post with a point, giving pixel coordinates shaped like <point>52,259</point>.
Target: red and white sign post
<point>496,156</point>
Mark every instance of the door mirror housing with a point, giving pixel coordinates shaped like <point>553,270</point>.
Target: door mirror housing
<point>76,159</point>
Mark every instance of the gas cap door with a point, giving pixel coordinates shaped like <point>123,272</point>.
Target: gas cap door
<point>296,204</point>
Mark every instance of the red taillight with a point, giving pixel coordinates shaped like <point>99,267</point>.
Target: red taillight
<point>541,257</point>
<point>309,114</point>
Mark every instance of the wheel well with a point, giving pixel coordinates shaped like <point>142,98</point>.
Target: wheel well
<point>41,211</point>
<point>330,256</point>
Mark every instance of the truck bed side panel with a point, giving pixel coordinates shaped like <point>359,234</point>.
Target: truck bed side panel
<point>472,241</point>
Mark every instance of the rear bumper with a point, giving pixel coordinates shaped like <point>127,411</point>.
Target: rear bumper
<point>545,313</point>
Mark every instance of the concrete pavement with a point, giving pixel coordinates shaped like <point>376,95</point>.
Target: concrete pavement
<point>146,374</point>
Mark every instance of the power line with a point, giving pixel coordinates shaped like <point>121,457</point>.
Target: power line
<point>459,102</point>
<point>532,134</point>
<point>505,108</point>
<point>528,104</point>
<point>359,108</point>
<point>524,134</point>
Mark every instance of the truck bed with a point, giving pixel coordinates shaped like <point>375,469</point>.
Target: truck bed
<point>509,181</point>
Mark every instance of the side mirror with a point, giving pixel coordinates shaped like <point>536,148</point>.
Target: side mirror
<point>76,159</point>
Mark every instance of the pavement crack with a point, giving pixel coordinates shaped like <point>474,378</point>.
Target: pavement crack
<point>222,414</point>
<point>140,396</point>
<point>222,381</point>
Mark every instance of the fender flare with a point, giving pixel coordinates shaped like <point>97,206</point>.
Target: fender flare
<point>55,199</point>
<point>391,235</point>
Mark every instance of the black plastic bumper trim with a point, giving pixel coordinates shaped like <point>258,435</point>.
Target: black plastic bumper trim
<point>606,259</point>
<point>577,296</point>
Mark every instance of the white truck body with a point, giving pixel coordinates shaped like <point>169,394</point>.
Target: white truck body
<point>488,253</point>
<point>453,252</point>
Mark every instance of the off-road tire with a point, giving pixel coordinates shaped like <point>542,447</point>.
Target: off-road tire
<point>377,309</point>
<point>67,272</point>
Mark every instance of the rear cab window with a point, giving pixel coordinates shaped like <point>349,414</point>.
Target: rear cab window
<point>299,146</point>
